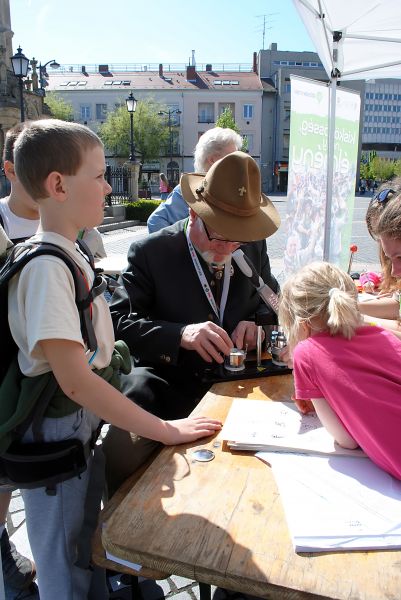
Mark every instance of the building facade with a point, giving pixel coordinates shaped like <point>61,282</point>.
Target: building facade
<point>199,95</point>
<point>382,118</point>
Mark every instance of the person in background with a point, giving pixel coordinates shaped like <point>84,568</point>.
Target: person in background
<point>183,303</point>
<point>19,214</point>
<point>349,372</point>
<point>19,217</point>
<point>163,186</point>
<point>384,225</point>
<point>212,145</point>
<point>94,241</point>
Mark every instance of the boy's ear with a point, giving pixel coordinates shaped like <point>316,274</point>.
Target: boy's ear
<point>55,186</point>
<point>9,170</point>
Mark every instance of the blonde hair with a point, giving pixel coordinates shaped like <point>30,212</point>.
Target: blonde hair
<point>379,219</point>
<point>322,293</point>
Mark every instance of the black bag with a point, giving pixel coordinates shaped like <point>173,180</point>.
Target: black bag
<point>43,464</point>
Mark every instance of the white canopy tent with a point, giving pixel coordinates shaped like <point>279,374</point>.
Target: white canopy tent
<point>355,39</point>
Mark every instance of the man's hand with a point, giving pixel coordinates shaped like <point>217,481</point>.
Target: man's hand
<point>244,335</point>
<point>209,340</point>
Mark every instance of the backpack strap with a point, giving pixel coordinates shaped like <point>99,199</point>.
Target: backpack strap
<point>21,255</point>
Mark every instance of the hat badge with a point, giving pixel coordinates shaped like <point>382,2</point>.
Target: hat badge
<point>242,191</point>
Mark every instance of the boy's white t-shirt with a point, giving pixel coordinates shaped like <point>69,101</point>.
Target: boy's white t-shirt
<point>14,226</point>
<point>41,306</point>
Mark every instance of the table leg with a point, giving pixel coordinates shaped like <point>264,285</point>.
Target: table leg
<point>205,591</point>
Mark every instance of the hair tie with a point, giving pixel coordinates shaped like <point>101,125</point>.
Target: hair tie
<point>333,290</point>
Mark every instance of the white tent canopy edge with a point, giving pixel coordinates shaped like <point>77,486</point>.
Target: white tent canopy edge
<point>358,39</point>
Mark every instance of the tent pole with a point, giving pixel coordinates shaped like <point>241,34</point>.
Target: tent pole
<point>330,167</point>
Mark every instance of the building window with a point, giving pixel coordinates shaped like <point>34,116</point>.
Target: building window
<point>248,111</point>
<point>85,111</point>
<point>287,88</point>
<point>101,112</point>
<point>205,112</point>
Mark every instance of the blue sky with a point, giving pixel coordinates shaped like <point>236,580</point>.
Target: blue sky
<point>135,31</point>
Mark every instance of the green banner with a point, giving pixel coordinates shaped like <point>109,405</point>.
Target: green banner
<point>307,174</point>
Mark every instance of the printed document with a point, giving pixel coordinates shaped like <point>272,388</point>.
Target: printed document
<point>277,426</point>
<point>337,502</point>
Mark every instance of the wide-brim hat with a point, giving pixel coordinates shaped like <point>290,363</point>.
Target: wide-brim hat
<point>228,199</point>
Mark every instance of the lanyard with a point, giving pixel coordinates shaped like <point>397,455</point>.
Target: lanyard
<point>204,283</point>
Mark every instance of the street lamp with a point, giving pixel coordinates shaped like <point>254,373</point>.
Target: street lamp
<point>43,73</point>
<point>20,64</point>
<point>170,112</point>
<point>131,107</point>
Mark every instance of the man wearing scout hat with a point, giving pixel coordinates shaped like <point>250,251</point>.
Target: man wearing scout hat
<point>183,304</point>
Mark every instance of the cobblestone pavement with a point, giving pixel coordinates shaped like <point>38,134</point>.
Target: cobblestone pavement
<point>118,242</point>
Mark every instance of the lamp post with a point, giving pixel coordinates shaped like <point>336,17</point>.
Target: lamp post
<point>170,112</point>
<point>131,107</point>
<point>20,64</point>
<point>43,74</point>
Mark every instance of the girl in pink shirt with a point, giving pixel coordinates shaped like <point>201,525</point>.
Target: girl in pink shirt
<point>163,186</point>
<point>348,371</point>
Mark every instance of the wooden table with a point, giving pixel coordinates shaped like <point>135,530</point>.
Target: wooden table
<point>222,522</point>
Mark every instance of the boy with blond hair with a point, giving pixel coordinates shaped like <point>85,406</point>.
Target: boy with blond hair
<point>62,165</point>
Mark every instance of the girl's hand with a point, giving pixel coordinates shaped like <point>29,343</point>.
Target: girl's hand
<point>304,406</point>
<point>187,430</point>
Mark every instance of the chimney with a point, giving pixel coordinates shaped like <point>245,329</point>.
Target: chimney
<point>160,70</point>
<point>255,62</point>
<point>193,59</point>
<point>103,68</point>
<point>83,70</point>
<point>191,73</point>
<point>209,68</point>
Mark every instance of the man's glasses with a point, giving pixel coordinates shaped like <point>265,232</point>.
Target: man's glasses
<point>383,196</point>
<point>212,238</point>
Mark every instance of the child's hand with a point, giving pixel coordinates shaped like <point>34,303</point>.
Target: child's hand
<point>304,406</point>
<point>187,430</point>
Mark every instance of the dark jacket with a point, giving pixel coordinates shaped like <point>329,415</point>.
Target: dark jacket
<point>161,294</point>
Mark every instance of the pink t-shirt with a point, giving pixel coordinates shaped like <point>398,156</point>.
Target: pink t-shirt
<point>163,187</point>
<point>361,380</point>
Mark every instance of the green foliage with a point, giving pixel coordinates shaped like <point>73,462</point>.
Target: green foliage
<point>364,171</point>
<point>150,132</point>
<point>59,108</point>
<point>397,167</point>
<point>141,209</point>
<point>382,169</point>
<point>226,120</point>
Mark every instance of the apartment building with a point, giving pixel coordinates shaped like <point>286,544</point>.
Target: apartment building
<point>199,95</point>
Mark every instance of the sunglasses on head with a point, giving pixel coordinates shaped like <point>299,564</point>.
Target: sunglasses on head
<point>383,196</point>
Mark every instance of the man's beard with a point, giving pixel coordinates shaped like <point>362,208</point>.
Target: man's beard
<point>209,257</point>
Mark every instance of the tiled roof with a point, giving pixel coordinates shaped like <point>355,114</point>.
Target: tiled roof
<point>151,80</point>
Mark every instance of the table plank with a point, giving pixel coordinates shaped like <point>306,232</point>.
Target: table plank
<point>222,522</point>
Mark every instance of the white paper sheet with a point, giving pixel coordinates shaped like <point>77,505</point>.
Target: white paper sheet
<point>277,426</point>
<point>337,502</point>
